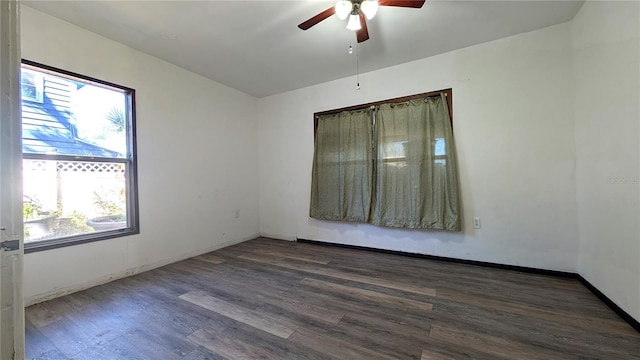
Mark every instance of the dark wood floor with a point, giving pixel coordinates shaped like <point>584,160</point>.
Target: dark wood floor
<point>268,299</point>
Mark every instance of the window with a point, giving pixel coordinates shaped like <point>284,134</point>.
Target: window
<point>31,84</point>
<point>389,164</point>
<point>79,168</point>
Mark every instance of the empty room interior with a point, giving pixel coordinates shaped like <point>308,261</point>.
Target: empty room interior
<point>270,194</point>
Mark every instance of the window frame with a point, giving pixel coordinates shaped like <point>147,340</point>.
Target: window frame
<point>130,161</point>
<point>38,84</point>
<point>427,220</point>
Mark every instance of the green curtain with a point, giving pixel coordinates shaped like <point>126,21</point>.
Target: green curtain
<point>416,179</point>
<point>410,180</point>
<point>342,167</point>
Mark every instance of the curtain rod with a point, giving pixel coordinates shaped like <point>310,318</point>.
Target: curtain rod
<point>376,103</point>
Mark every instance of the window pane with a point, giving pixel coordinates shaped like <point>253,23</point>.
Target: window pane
<point>439,148</point>
<point>73,118</point>
<point>29,91</point>
<point>28,86</point>
<point>65,198</point>
<point>31,84</point>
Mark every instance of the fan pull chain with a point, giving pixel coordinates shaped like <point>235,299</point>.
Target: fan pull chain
<point>357,65</point>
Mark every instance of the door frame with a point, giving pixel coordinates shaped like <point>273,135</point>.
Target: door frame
<point>12,335</point>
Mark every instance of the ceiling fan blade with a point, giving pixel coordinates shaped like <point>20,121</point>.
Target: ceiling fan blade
<point>316,19</point>
<point>363,33</point>
<point>402,3</point>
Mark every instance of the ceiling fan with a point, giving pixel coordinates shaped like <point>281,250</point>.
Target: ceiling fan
<point>358,11</point>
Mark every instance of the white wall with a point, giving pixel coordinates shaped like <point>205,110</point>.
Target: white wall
<point>197,145</point>
<point>513,125</point>
<point>606,41</point>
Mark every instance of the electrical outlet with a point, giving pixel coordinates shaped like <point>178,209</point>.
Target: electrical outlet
<point>476,223</point>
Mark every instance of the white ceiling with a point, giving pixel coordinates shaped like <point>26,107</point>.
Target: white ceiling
<point>256,47</point>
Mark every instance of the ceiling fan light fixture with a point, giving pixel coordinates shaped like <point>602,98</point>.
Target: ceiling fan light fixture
<point>369,8</point>
<point>343,8</point>
<point>354,22</point>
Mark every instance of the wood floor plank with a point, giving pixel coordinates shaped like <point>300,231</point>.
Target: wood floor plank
<point>399,331</point>
<point>428,354</point>
<point>51,311</point>
<point>38,342</point>
<point>548,291</point>
<point>265,342</point>
<point>396,314</point>
<point>499,347</point>
<point>367,294</point>
<point>43,314</point>
<point>148,342</point>
<point>584,322</point>
<point>209,258</point>
<point>254,276</point>
<point>243,287</point>
<point>302,257</point>
<point>278,327</point>
<point>343,275</point>
<point>336,348</point>
<point>230,347</point>
<point>261,291</point>
<point>387,337</point>
<point>319,313</point>
<point>551,335</point>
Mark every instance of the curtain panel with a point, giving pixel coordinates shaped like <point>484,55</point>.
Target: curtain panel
<point>393,167</point>
<point>342,167</point>
<point>416,179</point>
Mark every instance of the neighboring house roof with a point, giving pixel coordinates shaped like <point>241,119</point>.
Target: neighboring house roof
<point>47,127</point>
